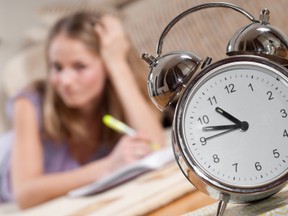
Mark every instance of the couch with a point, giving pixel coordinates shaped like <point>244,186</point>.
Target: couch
<point>205,32</point>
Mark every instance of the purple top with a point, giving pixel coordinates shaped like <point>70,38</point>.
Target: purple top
<point>57,157</point>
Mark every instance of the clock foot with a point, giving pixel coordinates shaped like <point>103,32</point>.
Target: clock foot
<point>224,198</point>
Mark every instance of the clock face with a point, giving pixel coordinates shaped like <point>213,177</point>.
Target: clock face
<point>235,124</point>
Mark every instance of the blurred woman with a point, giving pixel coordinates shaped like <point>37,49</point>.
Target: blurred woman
<point>59,142</point>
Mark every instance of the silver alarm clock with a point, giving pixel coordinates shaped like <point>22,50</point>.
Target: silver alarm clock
<point>230,126</point>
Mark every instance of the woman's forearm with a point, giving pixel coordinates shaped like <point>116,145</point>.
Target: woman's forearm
<point>139,113</point>
<point>114,49</point>
<point>46,187</point>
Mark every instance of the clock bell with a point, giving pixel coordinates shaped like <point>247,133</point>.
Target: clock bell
<point>170,72</point>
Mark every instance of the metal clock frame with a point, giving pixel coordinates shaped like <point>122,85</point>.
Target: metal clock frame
<point>193,172</point>
<point>166,84</point>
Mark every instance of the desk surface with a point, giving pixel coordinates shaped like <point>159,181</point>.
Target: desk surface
<point>161,192</point>
<point>275,205</point>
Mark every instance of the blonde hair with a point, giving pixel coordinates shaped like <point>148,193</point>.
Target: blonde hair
<point>62,122</point>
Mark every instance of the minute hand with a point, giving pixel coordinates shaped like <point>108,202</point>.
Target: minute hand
<point>222,133</point>
<point>221,127</point>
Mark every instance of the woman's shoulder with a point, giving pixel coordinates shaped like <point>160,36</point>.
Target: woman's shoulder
<point>29,95</point>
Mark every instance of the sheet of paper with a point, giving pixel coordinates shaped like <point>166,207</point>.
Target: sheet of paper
<point>153,161</point>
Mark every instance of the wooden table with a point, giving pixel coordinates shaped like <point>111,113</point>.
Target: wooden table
<point>187,203</point>
<point>161,192</point>
<point>275,205</point>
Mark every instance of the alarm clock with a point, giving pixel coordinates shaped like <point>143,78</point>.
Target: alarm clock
<point>230,125</point>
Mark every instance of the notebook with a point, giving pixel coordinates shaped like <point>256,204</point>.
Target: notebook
<point>154,161</point>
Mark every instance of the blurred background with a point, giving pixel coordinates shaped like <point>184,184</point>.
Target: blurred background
<point>17,18</point>
<point>24,26</point>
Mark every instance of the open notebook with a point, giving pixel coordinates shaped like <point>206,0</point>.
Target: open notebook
<point>151,162</point>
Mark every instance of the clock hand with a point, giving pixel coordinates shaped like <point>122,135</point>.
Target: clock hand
<point>219,127</point>
<point>243,124</point>
<point>224,132</point>
<point>227,115</point>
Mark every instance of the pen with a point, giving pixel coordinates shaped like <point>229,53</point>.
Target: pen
<point>120,127</point>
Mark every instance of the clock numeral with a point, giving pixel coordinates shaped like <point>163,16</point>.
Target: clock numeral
<point>250,85</point>
<point>276,153</point>
<point>212,100</point>
<point>285,133</point>
<point>230,88</point>
<point>269,93</point>
<point>284,113</point>
<point>258,166</point>
<point>203,140</point>
<point>216,158</point>
<point>203,120</point>
<point>235,166</point>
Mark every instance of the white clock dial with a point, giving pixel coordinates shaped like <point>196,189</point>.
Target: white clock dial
<point>251,151</point>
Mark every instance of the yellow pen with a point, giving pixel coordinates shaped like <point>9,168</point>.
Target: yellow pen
<point>120,127</point>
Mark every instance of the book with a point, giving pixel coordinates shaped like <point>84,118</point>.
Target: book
<point>153,161</point>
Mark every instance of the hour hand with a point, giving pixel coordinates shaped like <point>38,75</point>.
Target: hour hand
<point>243,124</point>
<point>221,127</point>
<point>227,115</point>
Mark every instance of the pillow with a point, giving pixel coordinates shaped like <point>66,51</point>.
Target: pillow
<point>25,67</point>
<point>205,32</point>
<point>114,3</point>
<point>51,13</point>
<point>4,123</point>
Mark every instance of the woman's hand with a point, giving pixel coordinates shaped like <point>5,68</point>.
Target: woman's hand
<point>114,43</point>
<point>114,50</point>
<point>128,150</point>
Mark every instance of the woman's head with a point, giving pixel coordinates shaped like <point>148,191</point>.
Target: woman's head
<point>73,44</point>
<point>76,71</point>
